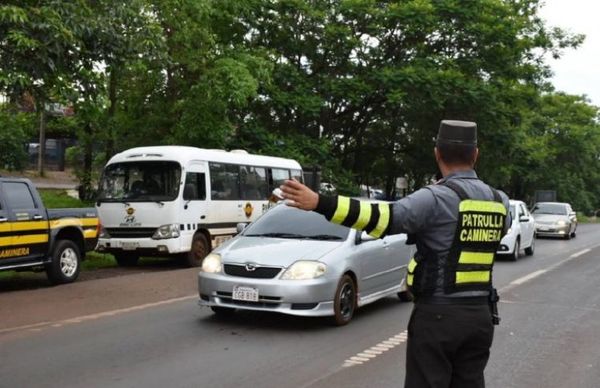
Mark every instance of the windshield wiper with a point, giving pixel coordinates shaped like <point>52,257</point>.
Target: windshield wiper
<point>276,235</point>
<point>324,237</point>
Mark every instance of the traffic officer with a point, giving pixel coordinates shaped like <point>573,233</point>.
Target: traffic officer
<point>457,224</point>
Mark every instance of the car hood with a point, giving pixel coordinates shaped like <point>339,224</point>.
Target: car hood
<point>549,218</point>
<point>275,251</point>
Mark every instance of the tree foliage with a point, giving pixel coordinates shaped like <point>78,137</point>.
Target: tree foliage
<point>357,87</point>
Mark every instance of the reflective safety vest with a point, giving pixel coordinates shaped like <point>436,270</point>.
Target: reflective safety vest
<point>468,265</point>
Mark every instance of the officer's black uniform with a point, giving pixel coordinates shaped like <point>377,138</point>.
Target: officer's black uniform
<point>457,225</point>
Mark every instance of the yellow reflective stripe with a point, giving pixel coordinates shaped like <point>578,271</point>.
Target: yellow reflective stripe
<point>482,206</point>
<point>341,212</point>
<point>89,221</point>
<point>473,277</point>
<point>5,241</point>
<point>412,265</point>
<point>73,222</point>
<point>409,279</point>
<point>29,225</point>
<point>383,222</point>
<point>476,258</point>
<point>90,233</point>
<point>364,215</point>
<point>5,227</point>
<point>30,239</point>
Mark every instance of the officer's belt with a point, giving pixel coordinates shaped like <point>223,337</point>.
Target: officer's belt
<point>458,300</point>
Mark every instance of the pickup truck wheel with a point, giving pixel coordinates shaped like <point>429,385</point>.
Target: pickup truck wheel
<point>198,251</point>
<point>126,259</point>
<point>65,265</point>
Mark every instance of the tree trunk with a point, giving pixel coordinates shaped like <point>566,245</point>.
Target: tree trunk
<point>42,150</point>
<point>112,96</point>
<point>86,190</point>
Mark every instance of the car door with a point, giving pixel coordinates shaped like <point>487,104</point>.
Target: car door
<point>527,226</point>
<point>29,222</point>
<point>382,262</point>
<point>5,231</point>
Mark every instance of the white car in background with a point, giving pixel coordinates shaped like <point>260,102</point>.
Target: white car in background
<point>521,234</point>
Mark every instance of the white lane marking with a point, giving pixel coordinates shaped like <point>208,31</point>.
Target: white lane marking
<point>374,351</point>
<point>525,278</point>
<point>535,274</point>
<point>91,317</point>
<point>583,252</point>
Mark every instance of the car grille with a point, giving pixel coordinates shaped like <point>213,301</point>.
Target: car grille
<point>257,273</point>
<point>131,232</point>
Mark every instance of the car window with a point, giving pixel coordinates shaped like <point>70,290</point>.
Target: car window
<point>18,196</point>
<point>287,222</point>
<point>523,210</point>
<point>512,210</point>
<point>550,208</point>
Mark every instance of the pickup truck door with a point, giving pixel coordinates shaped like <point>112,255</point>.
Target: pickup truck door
<point>5,230</point>
<point>29,223</point>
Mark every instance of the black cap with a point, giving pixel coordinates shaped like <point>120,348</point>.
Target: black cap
<point>457,132</point>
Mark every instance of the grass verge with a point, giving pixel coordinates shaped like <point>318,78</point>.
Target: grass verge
<point>56,199</point>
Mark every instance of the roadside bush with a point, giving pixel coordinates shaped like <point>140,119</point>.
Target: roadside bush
<point>15,131</point>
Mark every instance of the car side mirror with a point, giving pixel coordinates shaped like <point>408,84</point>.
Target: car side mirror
<point>524,219</point>
<point>572,214</point>
<point>241,226</point>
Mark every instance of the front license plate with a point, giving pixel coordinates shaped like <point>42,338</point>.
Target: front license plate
<point>248,294</point>
<point>129,245</point>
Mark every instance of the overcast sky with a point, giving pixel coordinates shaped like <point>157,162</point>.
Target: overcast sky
<point>577,71</point>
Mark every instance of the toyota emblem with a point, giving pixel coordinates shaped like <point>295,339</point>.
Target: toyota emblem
<point>250,267</point>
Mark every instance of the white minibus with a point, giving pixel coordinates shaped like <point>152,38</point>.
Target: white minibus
<point>164,200</point>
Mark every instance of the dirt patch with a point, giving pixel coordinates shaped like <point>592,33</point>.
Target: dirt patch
<point>98,291</point>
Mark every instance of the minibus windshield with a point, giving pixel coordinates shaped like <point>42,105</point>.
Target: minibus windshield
<point>152,181</point>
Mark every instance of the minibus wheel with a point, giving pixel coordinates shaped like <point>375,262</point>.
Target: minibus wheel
<point>198,251</point>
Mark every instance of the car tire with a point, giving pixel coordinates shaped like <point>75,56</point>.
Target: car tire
<point>222,311</point>
<point>198,251</point>
<point>574,232</point>
<point>344,303</point>
<point>65,264</point>
<point>126,260</point>
<point>531,249</point>
<point>568,234</point>
<point>515,255</point>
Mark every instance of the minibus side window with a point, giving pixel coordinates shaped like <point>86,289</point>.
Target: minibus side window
<point>224,181</point>
<point>278,176</point>
<point>195,187</point>
<point>297,175</point>
<point>253,183</point>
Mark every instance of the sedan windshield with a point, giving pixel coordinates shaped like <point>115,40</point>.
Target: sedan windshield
<point>140,182</point>
<point>550,208</point>
<point>287,222</point>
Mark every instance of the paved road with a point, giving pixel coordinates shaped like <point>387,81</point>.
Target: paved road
<point>548,338</point>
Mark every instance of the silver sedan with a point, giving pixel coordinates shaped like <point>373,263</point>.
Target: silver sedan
<point>295,262</point>
<point>554,219</point>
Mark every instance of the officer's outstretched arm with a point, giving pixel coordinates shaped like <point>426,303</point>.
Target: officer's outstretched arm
<point>374,218</point>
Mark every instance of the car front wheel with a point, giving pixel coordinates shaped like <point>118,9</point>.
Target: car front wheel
<point>530,249</point>
<point>517,249</point>
<point>345,301</point>
<point>65,265</point>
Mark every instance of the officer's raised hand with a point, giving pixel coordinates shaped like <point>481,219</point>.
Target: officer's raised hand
<point>298,195</point>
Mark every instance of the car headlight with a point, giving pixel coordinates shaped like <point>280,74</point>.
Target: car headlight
<point>211,263</point>
<point>561,223</point>
<point>303,270</point>
<point>166,231</point>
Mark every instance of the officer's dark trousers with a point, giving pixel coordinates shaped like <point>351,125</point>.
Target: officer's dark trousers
<point>448,346</point>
